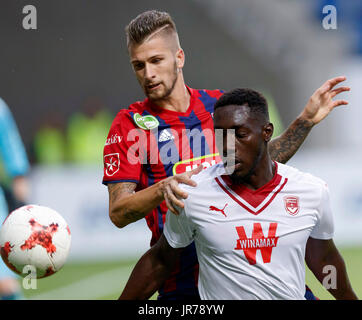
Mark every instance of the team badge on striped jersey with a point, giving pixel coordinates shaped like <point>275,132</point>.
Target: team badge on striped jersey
<point>147,122</point>
<point>111,163</point>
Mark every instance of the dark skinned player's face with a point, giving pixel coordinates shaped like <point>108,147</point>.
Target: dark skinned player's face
<point>251,134</point>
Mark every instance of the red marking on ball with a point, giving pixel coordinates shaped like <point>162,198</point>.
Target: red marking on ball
<point>5,250</point>
<point>41,235</point>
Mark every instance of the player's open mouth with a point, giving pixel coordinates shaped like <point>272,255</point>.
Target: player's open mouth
<point>153,86</point>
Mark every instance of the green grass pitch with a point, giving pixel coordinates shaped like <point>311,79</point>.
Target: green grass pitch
<point>105,280</point>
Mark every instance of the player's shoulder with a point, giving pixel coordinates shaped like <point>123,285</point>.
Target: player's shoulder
<point>214,93</point>
<point>126,115</point>
<point>205,177</point>
<point>204,180</point>
<point>136,107</point>
<point>297,176</point>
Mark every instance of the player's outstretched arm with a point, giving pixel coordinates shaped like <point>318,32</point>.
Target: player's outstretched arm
<point>151,271</point>
<point>127,206</point>
<point>321,253</point>
<point>319,105</point>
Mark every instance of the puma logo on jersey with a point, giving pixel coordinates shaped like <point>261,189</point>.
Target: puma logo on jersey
<point>165,136</point>
<point>212,208</point>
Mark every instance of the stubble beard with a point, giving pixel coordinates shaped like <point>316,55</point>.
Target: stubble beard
<point>168,90</point>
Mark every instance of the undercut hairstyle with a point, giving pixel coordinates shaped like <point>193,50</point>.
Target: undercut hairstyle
<point>146,24</point>
<point>243,96</point>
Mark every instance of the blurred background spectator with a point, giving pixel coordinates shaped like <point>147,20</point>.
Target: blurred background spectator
<point>49,143</point>
<point>77,141</point>
<point>86,132</point>
<point>14,182</point>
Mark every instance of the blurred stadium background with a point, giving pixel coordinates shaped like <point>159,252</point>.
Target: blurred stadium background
<point>65,81</point>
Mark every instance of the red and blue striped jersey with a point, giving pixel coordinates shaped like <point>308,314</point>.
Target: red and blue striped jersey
<point>146,144</point>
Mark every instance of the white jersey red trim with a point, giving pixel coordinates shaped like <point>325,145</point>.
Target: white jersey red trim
<point>253,201</point>
<point>251,244</point>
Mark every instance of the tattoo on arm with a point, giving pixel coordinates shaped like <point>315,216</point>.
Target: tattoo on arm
<point>282,148</point>
<point>117,190</point>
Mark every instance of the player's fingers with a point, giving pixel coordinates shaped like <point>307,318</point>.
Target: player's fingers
<point>177,191</point>
<point>329,84</point>
<point>170,206</point>
<point>183,178</point>
<point>338,103</point>
<point>339,90</point>
<point>172,198</point>
<point>196,170</point>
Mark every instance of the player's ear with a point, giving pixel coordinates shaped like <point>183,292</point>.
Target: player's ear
<point>180,58</point>
<point>268,131</point>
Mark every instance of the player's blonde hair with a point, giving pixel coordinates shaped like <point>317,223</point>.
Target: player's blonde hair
<point>147,24</point>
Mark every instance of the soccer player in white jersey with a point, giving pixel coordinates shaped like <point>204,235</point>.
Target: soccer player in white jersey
<point>254,222</point>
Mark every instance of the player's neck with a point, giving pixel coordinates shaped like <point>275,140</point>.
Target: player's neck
<point>178,100</point>
<point>263,173</point>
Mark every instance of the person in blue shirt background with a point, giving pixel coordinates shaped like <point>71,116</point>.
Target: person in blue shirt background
<point>15,166</point>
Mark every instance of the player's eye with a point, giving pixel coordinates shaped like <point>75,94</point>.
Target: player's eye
<point>241,135</point>
<point>138,66</point>
<point>156,60</point>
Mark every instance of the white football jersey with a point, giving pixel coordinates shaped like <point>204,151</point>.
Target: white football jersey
<point>251,244</point>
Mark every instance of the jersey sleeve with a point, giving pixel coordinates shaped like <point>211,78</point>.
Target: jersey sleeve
<point>178,230</point>
<point>122,151</point>
<point>12,149</point>
<point>324,229</point>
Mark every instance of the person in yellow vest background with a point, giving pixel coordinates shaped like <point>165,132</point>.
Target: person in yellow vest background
<point>87,132</point>
<point>78,141</point>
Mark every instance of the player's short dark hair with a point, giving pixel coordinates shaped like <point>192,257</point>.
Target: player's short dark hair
<point>147,23</point>
<point>244,96</point>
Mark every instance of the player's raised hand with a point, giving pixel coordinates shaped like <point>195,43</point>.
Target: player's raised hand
<point>172,193</point>
<point>320,104</point>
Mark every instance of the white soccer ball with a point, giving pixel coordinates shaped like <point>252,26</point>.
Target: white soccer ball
<point>35,236</point>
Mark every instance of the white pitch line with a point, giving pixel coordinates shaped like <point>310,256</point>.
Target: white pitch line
<point>90,288</point>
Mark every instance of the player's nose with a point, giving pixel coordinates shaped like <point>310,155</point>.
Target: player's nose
<point>149,72</point>
<point>228,146</point>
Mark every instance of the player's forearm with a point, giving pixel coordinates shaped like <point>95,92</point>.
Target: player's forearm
<point>282,148</point>
<point>151,271</point>
<point>336,279</point>
<point>342,289</point>
<point>135,206</point>
<point>146,278</point>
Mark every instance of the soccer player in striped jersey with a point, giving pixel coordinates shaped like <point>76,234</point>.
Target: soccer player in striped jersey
<point>159,142</point>
<point>252,219</point>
